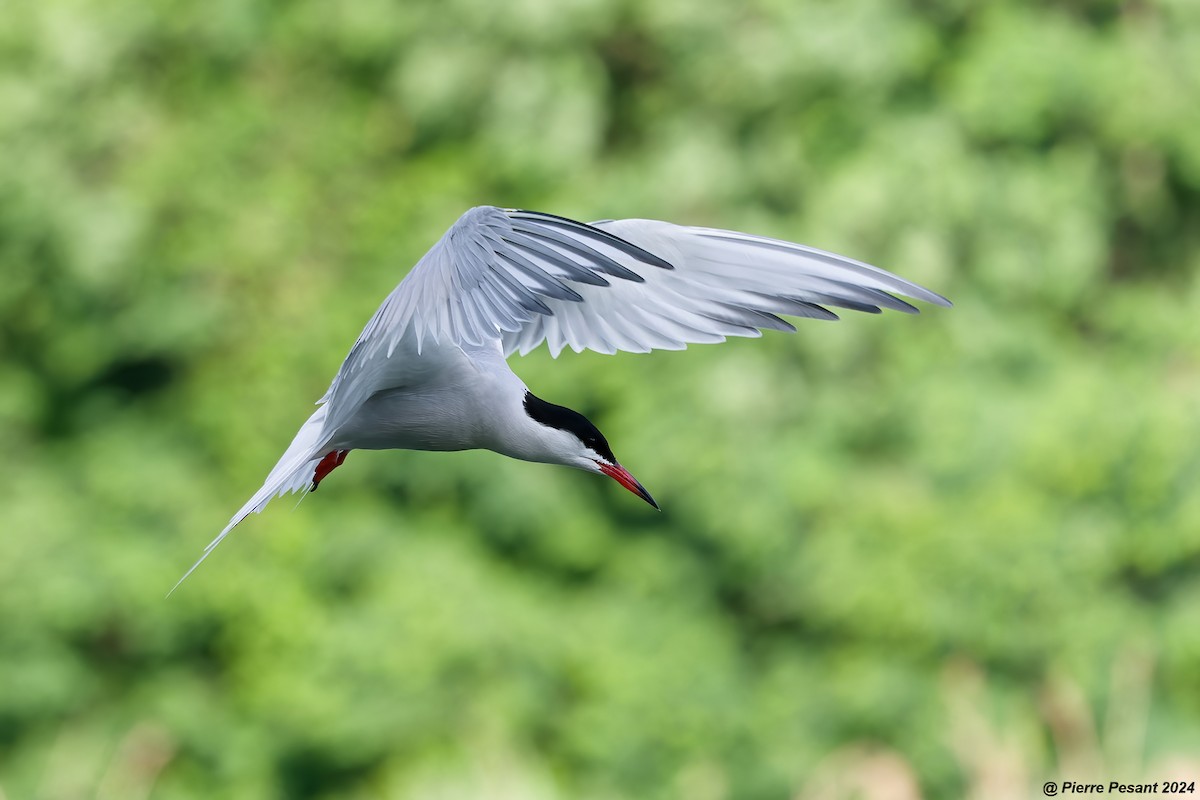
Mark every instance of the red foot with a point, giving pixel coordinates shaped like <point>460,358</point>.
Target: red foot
<point>328,464</point>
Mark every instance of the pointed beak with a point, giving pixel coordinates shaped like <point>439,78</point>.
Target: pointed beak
<point>622,476</point>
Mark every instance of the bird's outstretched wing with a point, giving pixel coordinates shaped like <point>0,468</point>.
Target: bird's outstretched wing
<point>723,284</point>
<point>631,284</point>
<point>523,277</point>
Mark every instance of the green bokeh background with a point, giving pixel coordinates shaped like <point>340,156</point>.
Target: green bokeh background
<point>939,556</point>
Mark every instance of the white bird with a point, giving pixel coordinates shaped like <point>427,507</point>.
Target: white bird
<point>429,371</point>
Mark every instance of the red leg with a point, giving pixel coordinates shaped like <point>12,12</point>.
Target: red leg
<point>328,464</point>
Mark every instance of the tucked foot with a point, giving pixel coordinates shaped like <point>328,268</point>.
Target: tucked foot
<point>328,464</point>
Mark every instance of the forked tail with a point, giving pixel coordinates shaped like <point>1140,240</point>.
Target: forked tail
<point>293,473</point>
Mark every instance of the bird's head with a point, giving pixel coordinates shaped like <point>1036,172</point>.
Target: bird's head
<point>573,441</point>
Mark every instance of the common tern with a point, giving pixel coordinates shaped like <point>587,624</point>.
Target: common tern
<point>429,371</point>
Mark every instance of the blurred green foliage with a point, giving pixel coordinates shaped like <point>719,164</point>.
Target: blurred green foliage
<point>894,542</point>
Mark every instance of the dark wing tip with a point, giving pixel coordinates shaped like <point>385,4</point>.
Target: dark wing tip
<point>629,248</point>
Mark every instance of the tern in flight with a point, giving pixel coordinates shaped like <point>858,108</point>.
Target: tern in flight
<point>429,371</point>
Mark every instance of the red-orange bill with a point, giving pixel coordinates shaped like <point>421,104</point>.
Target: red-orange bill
<point>622,476</point>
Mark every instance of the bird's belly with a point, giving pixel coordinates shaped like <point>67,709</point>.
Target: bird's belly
<point>404,419</point>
